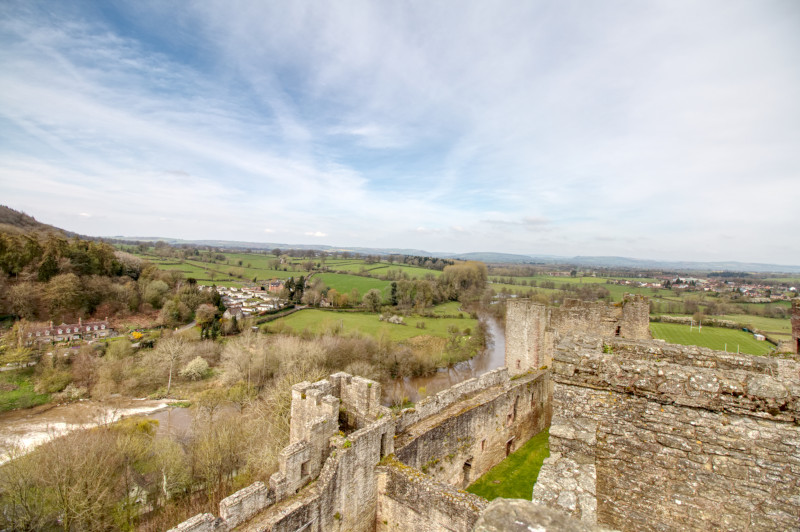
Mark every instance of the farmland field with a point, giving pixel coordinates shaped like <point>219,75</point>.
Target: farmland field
<point>450,308</point>
<point>317,321</point>
<point>759,322</point>
<point>717,338</point>
<point>344,283</point>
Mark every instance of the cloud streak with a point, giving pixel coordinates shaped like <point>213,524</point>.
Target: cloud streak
<point>527,128</point>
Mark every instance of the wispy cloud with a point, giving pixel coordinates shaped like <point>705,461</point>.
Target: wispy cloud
<point>525,127</point>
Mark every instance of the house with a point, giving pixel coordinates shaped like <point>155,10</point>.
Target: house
<point>233,312</point>
<point>276,285</point>
<point>90,330</point>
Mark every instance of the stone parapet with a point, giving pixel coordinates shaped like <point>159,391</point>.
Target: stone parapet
<point>410,500</point>
<point>683,375</point>
<point>244,504</point>
<point>436,403</point>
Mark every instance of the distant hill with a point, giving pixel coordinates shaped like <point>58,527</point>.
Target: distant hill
<point>496,257</point>
<point>509,258</point>
<point>17,221</point>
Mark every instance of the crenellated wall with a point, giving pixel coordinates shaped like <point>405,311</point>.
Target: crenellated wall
<point>329,482</point>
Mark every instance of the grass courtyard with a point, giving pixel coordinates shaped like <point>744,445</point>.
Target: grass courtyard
<point>514,477</point>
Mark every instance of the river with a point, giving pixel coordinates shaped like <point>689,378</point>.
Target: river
<point>31,427</point>
<point>492,357</point>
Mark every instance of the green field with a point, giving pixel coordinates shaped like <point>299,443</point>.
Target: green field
<point>450,308</point>
<point>344,283</point>
<point>514,477</point>
<point>260,266</point>
<point>761,323</point>
<point>317,321</point>
<point>718,338</point>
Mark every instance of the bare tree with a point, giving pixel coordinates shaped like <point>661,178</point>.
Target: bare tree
<point>172,350</point>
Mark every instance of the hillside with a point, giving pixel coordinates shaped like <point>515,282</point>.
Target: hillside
<point>16,221</point>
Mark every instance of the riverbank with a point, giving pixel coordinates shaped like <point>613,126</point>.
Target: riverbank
<point>26,429</point>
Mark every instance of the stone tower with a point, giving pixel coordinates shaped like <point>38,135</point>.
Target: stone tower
<point>635,322</point>
<point>529,341</point>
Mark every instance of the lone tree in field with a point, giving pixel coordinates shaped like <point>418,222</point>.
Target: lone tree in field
<point>372,300</point>
<point>172,350</point>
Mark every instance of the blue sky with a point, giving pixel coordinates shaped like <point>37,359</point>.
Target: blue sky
<point>664,130</point>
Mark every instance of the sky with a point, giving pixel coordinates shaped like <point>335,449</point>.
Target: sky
<point>662,130</point>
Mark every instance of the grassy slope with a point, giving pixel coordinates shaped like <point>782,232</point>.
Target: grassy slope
<point>514,477</point>
<point>24,396</point>
<point>319,320</point>
<point>712,337</point>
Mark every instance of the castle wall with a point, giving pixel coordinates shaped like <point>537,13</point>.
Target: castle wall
<point>410,500</point>
<point>434,404</point>
<point>457,447</point>
<point>629,318</point>
<point>652,436</point>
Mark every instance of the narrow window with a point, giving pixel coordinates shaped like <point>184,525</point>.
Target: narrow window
<point>304,469</point>
<point>619,328</point>
<point>467,470</point>
<point>483,445</point>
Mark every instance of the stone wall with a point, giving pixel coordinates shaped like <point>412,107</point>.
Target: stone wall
<point>673,437</point>
<point>410,500</point>
<point>459,445</point>
<point>325,481</point>
<point>628,319</point>
<point>436,403</point>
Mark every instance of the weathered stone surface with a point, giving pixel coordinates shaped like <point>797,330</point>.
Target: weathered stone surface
<point>516,515</point>
<point>461,443</point>
<point>568,486</point>
<point>678,461</point>
<point>410,500</point>
<point>199,523</point>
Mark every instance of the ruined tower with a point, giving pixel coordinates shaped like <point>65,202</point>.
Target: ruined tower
<point>529,341</point>
<point>532,329</point>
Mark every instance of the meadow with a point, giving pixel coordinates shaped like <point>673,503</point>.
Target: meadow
<point>318,321</point>
<point>718,338</point>
<point>344,283</point>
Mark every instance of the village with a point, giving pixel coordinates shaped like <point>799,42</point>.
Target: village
<point>252,299</point>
